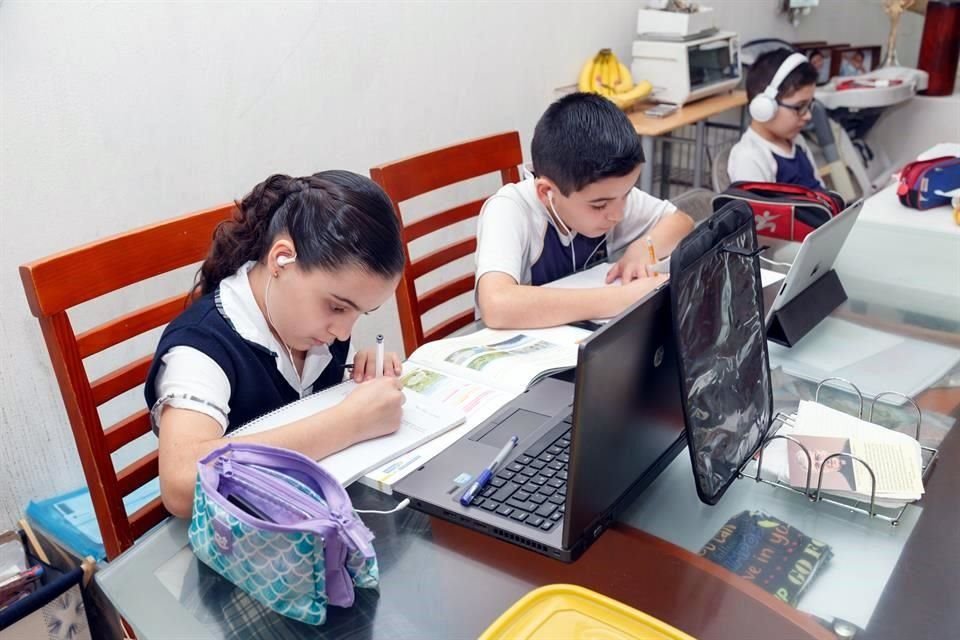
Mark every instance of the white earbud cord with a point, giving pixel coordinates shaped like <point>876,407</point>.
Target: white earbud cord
<point>273,326</point>
<point>401,505</point>
<point>775,263</point>
<point>595,249</point>
<point>566,232</point>
<point>569,234</point>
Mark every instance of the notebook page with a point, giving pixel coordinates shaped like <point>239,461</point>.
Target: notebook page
<point>423,419</point>
<point>592,278</point>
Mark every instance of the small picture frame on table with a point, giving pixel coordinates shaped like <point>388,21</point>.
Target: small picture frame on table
<point>854,61</point>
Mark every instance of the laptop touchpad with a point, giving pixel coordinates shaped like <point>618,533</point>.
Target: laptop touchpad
<point>519,423</point>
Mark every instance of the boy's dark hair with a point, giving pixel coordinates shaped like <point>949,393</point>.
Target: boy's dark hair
<point>582,138</point>
<point>765,67</point>
<point>334,218</point>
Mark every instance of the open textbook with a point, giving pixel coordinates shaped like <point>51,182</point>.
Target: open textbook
<point>477,374</point>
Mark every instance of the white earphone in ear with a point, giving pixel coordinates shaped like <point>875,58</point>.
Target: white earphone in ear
<point>764,106</point>
<point>283,261</point>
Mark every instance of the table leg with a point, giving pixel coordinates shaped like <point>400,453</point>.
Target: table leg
<point>701,128</point>
<point>646,177</point>
<point>666,160</point>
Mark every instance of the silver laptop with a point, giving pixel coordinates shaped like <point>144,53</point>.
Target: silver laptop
<point>817,254</point>
<point>589,441</point>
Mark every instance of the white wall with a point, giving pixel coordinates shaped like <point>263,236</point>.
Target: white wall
<point>114,115</point>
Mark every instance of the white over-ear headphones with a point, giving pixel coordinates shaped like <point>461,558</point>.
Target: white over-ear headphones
<point>763,107</point>
<point>283,261</point>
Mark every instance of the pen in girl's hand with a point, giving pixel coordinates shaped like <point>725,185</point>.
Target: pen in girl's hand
<point>378,366</point>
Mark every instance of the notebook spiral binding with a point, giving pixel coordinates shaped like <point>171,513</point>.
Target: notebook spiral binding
<point>266,416</point>
<point>891,515</point>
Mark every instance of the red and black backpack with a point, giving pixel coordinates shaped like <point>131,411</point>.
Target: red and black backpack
<point>785,211</point>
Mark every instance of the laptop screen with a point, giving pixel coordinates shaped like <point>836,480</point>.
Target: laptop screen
<point>627,411</point>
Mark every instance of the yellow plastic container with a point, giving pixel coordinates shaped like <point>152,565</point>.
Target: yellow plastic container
<point>569,612</point>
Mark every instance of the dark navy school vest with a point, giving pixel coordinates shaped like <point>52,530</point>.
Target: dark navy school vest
<point>555,262</point>
<point>797,170</point>
<point>256,385</point>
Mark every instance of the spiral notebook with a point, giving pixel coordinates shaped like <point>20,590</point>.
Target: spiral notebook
<point>423,419</point>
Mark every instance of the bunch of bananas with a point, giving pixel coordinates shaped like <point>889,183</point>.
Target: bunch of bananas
<point>606,75</point>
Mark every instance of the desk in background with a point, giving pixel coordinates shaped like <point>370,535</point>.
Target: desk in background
<point>695,113</point>
<point>909,257</point>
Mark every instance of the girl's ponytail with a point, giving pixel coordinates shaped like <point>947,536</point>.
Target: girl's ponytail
<point>246,236</point>
<point>334,218</point>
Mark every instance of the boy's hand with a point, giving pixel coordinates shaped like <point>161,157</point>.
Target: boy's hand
<point>630,292</point>
<point>632,266</point>
<point>365,364</point>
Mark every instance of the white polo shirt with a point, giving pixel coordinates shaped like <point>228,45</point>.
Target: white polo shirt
<point>755,159</point>
<point>517,236</point>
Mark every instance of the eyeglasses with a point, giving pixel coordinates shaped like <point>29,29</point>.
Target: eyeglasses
<point>801,109</point>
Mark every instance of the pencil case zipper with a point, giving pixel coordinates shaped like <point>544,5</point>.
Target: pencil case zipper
<point>270,488</point>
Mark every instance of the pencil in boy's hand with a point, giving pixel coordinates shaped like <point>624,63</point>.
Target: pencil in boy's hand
<point>653,254</point>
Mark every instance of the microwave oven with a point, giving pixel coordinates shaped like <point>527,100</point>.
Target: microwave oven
<point>683,71</point>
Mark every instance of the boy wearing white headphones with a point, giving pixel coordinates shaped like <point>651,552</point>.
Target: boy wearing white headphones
<point>780,87</point>
<point>581,206</point>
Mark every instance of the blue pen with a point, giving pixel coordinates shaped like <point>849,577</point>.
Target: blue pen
<point>487,473</point>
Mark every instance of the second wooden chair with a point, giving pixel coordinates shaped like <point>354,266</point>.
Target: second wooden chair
<point>411,177</point>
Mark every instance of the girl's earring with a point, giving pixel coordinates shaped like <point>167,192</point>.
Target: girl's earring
<point>276,274</point>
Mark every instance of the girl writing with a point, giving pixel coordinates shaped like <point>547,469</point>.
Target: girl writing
<point>279,293</point>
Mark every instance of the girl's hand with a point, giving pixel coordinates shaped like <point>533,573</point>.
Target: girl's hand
<point>365,364</point>
<point>376,407</point>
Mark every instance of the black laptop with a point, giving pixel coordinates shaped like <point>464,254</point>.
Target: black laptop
<point>590,441</point>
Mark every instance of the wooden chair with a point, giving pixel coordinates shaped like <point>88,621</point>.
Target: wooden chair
<point>420,174</point>
<point>57,283</point>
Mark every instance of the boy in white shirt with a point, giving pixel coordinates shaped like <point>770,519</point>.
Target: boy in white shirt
<point>581,205</point>
<point>780,87</point>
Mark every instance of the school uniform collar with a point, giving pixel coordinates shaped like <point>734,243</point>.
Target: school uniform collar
<point>236,303</point>
<point>774,148</point>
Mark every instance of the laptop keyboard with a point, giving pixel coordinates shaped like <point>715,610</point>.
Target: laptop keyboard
<point>533,488</point>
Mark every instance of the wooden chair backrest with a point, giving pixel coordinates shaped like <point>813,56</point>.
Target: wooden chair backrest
<point>54,285</point>
<point>420,174</point>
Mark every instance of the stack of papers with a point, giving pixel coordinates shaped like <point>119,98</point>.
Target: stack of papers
<point>895,458</point>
